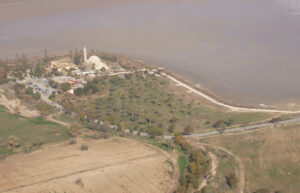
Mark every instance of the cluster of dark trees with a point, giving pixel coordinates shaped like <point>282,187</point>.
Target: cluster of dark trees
<point>90,88</point>
<point>221,123</point>
<point>35,95</point>
<point>197,168</point>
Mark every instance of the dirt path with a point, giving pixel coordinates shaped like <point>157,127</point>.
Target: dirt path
<point>50,118</point>
<point>213,170</point>
<point>241,169</point>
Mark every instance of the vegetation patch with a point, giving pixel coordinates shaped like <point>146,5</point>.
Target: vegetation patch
<point>182,162</point>
<point>17,131</point>
<point>270,157</point>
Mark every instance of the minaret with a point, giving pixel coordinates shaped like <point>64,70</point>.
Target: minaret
<point>84,55</point>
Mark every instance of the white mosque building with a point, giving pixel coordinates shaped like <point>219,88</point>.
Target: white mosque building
<point>93,63</point>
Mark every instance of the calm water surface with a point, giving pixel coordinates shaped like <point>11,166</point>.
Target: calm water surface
<point>246,51</point>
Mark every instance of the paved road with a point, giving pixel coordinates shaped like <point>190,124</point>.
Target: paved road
<point>239,129</point>
<point>233,108</point>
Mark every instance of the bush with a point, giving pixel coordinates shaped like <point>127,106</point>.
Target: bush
<point>29,91</point>
<point>188,130</point>
<point>72,141</point>
<point>36,96</point>
<point>74,131</point>
<point>101,136</point>
<point>53,95</point>
<point>275,120</point>
<point>27,148</point>
<point>65,86</point>
<point>232,180</point>
<point>90,87</point>
<point>78,91</point>
<point>13,141</point>
<point>38,142</point>
<point>156,132</point>
<point>84,147</point>
<point>97,127</point>
<point>79,182</point>
<point>218,124</point>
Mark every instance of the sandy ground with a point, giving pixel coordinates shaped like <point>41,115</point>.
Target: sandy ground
<point>15,106</point>
<point>113,165</point>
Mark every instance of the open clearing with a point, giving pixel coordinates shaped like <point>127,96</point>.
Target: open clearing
<point>112,165</point>
<point>270,157</point>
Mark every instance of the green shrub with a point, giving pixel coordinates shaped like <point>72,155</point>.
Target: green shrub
<point>72,141</point>
<point>232,180</point>
<point>36,96</point>
<point>74,131</point>
<point>84,147</point>
<point>13,141</point>
<point>38,142</point>
<point>65,86</point>
<point>29,90</point>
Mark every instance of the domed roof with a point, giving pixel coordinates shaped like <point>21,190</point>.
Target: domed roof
<point>94,60</point>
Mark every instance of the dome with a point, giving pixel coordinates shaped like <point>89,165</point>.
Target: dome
<point>94,60</point>
<point>97,63</point>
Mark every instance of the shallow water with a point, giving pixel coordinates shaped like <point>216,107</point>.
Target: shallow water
<point>246,51</point>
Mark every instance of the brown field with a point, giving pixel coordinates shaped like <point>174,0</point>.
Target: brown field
<point>112,165</point>
<point>269,157</point>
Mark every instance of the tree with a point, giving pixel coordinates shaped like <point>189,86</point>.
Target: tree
<point>53,95</point>
<point>275,120</point>
<point>36,96</point>
<point>232,180</point>
<point>65,86</point>
<point>46,59</point>
<point>13,141</point>
<point>77,57</point>
<point>74,131</point>
<point>90,88</point>
<point>29,90</point>
<point>218,124</point>
<point>3,74</point>
<point>156,132</point>
<point>171,128</point>
<point>188,130</point>
<point>78,91</point>
<point>38,142</point>
<point>195,181</point>
<point>193,167</point>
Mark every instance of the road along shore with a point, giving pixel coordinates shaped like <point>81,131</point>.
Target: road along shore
<point>221,104</point>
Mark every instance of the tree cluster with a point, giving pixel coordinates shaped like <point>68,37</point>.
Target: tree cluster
<point>35,95</point>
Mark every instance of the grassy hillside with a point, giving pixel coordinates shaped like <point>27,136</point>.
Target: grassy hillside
<point>270,157</point>
<point>26,130</point>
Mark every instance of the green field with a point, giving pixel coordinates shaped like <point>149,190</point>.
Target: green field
<point>26,130</point>
<point>182,162</point>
